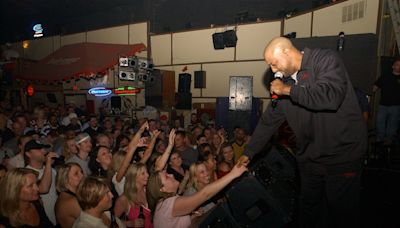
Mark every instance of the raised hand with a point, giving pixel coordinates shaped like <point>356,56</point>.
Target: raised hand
<point>171,138</point>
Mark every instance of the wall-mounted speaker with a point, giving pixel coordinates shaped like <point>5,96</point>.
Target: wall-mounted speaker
<point>218,40</point>
<point>183,101</point>
<point>200,79</point>
<point>185,80</point>
<point>230,38</point>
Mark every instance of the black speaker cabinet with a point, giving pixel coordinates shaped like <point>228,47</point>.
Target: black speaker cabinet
<point>116,102</point>
<point>218,217</point>
<point>183,100</point>
<point>253,206</point>
<point>200,79</point>
<point>185,80</point>
<point>230,38</point>
<point>267,196</point>
<point>218,40</point>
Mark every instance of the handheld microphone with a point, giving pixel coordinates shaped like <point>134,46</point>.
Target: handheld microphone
<point>274,101</point>
<point>340,42</point>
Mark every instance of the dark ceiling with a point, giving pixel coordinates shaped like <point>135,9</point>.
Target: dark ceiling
<point>69,16</point>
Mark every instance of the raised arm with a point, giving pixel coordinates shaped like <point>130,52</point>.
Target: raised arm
<point>150,147</point>
<point>45,181</point>
<point>133,145</point>
<point>186,204</point>
<point>162,161</point>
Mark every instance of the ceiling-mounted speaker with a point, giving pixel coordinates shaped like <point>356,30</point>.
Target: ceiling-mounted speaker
<point>230,38</point>
<point>218,40</point>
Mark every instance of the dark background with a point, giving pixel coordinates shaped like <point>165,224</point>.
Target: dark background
<point>70,16</point>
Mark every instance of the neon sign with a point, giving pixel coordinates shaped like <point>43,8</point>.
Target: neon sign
<point>123,91</point>
<point>100,91</point>
<point>38,29</point>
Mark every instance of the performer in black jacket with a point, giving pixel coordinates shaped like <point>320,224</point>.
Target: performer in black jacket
<point>318,101</point>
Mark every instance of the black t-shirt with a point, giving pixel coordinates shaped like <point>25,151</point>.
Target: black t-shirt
<point>390,89</point>
<point>44,220</point>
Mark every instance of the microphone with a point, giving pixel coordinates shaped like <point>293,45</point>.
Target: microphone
<point>340,42</point>
<point>274,101</point>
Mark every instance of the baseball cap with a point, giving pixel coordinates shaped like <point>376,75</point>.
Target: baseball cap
<point>35,144</point>
<point>81,137</point>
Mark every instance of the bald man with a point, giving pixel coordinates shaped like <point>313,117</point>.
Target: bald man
<point>318,101</point>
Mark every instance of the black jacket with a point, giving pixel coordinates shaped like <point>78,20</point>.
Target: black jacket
<point>322,110</point>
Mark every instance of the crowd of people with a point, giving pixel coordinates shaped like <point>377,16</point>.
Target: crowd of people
<point>60,167</point>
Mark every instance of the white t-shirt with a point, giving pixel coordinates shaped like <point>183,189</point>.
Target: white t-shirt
<point>119,186</point>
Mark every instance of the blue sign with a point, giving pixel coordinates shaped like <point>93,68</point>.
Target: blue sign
<point>100,91</point>
<point>38,29</point>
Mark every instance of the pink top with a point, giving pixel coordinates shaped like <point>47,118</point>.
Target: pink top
<point>163,216</point>
<point>134,213</point>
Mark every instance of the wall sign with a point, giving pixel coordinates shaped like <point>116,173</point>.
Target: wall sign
<point>100,91</point>
<point>129,90</point>
<point>38,29</point>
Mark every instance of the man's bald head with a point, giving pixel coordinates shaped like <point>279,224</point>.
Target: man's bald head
<point>282,56</point>
<point>278,44</point>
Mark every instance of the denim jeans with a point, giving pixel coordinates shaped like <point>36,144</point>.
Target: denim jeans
<point>387,122</point>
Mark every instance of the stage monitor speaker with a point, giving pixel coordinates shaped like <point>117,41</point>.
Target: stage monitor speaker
<point>253,206</point>
<point>230,38</point>
<point>51,97</point>
<point>218,40</point>
<point>185,80</point>
<point>183,100</point>
<point>200,79</point>
<point>218,217</point>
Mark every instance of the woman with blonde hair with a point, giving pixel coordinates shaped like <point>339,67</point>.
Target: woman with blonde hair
<point>199,177</point>
<point>134,201</point>
<point>67,208</point>
<point>69,148</point>
<point>171,210</point>
<point>19,200</point>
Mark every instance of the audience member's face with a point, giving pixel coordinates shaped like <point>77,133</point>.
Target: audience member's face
<point>240,135</point>
<point>106,202</point>
<point>142,177</point>
<point>211,163</point>
<point>37,155</point>
<point>53,120</point>
<point>104,141</point>
<point>160,147</point>
<point>70,134</point>
<point>227,153</point>
<point>152,125</point>
<point>17,128</point>
<point>30,190</point>
<point>93,122</point>
<point>85,146</point>
<point>118,125</point>
<point>175,160</point>
<point>202,174</point>
<point>169,184</point>
<point>75,176</point>
<point>197,131</point>
<point>202,140</point>
<point>108,125</point>
<point>179,141</point>
<point>124,142</point>
<point>72,146</point>
<point>216,140</point>
<point>21,120</point>
<point>207,133</point>
<point>104,157</point>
